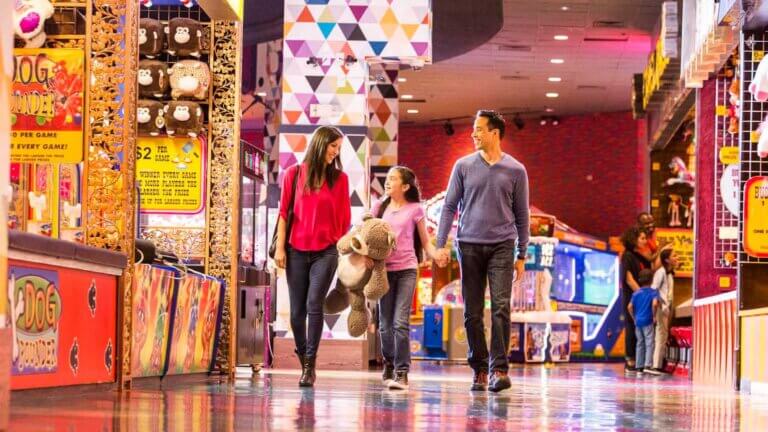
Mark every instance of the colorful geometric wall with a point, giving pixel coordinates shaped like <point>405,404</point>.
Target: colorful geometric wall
<point>272,101</point>
<point>328,46</point>
<point>383,109</point>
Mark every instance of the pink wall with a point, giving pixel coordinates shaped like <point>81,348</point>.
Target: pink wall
<point>560,160</point>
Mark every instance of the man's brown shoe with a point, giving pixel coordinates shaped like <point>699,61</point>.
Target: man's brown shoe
<point>480,382</point>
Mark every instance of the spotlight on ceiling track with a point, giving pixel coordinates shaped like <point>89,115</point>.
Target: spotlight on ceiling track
<point>448,128</point>
<point>552,120</point>
<point>518,121</point>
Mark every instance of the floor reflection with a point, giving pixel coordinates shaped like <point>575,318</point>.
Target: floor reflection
<point>565,397</point>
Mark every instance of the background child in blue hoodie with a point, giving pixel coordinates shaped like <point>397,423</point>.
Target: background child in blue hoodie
<point>642,309</point>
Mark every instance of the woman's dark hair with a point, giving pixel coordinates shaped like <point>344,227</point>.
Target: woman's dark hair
<point>664,257</point>
<point>412,195</point>
<point>630,236</point>
<point>317,170</point>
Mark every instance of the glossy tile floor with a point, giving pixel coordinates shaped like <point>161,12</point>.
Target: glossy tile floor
<point>587,397</point>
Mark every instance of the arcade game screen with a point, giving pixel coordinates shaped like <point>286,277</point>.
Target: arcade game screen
<point>583,275</point>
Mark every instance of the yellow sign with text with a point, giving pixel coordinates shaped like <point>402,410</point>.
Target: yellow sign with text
<point>729,155</point>
<point>682,243</point>
<point>171,174</point>
<point>756,217</point>
<point>47,106</point>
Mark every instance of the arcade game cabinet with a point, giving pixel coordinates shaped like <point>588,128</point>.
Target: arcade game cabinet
<point>253,279</point>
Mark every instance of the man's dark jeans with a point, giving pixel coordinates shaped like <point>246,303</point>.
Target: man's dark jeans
<point>494,264</point>
<point>309,277</point>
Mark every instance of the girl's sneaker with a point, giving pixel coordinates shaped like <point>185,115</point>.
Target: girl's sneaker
<point>388,375</point>
<point>400,382</point>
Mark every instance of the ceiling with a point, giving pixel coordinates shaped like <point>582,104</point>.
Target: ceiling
<point>608,42</point>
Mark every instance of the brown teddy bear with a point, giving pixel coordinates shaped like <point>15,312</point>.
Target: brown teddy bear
<point>373,239</point>
<point>151,37</point>
<point>153,78</point>
<point>190,78</point>
<point>151,117</point>
<point>184,37</point>
<point>183,118</point>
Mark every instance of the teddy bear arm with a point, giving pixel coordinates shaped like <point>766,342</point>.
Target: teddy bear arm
<point>377,285</point>
<point>344,245</point>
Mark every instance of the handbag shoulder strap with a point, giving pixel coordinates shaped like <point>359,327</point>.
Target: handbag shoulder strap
<point>293,188</point>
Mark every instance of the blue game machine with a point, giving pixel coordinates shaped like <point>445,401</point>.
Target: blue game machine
<point>586,286</point>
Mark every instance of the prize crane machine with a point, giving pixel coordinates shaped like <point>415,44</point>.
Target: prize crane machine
<point>254,293</point>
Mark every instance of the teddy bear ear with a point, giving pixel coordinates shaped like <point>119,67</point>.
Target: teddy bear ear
<point>367,215</point>
<point>358,245</point>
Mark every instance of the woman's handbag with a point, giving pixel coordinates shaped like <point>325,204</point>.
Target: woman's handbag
<point>288,222</point>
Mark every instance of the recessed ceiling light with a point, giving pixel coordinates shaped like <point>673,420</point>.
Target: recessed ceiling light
<point>552,95</point>
<point>564,8</point>
<point>557,61</point>
<point>550,110</point>
<point>413,111</point>
<point>406,97</point>
<point>561,37</point>
<point>402,79</point>
<point>555,79</point>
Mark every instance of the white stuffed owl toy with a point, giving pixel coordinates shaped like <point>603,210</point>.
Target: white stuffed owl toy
<point>29,21</point>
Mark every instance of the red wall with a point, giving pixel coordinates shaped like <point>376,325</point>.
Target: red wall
<point>707,278</point>
<point>559,160</point>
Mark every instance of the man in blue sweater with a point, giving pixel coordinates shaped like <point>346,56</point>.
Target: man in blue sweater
<point>489,189</point>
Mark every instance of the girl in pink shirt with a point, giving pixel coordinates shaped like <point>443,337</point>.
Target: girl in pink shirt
<point>402,210</point>
<point>306,239</point>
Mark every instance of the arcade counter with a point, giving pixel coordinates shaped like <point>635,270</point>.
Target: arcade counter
<point>63,307</point>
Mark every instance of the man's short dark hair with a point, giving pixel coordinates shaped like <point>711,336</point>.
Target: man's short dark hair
<point>495,121</point>
<point>643,215</point>
<point>645,277</point>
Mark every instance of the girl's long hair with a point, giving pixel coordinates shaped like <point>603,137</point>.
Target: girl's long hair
<point>317,169</point>
<point>412,195</point>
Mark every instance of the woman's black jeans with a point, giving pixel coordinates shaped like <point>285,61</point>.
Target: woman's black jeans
<point>309,277</point>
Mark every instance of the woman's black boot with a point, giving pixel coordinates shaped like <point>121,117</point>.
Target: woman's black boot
<point>307,372</point>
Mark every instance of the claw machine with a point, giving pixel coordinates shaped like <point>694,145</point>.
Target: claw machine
<point>253,278</point>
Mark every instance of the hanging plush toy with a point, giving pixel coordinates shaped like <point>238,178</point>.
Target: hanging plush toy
<point>151,37</point>
<point>183,118</point>
<point>759,85</point>
<point>29,21</point>
<point>762,144</point>
<point>190,78</point>
<point>184,37</point>
<point>680,173</point>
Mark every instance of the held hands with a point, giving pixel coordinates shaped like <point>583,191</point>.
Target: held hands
<point>442,257</point>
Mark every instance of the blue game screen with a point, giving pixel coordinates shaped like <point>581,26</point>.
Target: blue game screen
<point>583,275</point>
<point>600,278</point>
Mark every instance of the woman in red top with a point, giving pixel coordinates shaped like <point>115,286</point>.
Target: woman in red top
<point>321,216</point>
